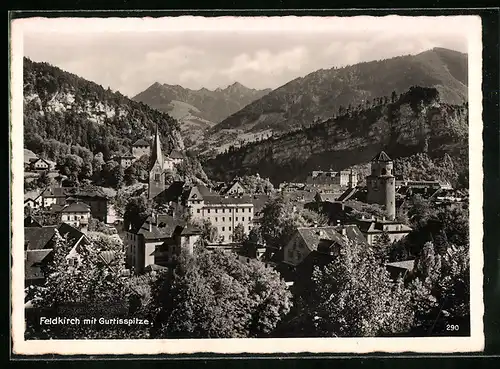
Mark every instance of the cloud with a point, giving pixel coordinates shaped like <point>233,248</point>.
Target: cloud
<point>266,62</point>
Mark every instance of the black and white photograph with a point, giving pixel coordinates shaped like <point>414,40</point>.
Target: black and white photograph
<point>246,185</point>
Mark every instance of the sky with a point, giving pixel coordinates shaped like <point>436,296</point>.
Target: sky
<point>131,54</point>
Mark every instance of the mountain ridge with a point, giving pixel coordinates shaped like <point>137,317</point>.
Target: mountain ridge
<point>325,93</point>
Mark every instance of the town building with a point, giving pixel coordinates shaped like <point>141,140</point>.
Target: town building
<point>373,228</point>
<point>235,187</point>
<point>381,184</point>
<point>223,211</point>
<point>157,240</point>
<point>343,178</point>
<point>140,148</point>
<point>175,157</point>
<point>39,164</point>
<point>76,214</point>
<point>125,161</point>
<point>320,239</point>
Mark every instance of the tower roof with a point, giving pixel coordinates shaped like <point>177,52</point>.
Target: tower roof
<point>156,154</point>
<point>382,156</point>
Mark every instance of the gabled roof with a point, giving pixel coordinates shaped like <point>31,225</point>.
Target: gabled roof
<point>33,262</point>
<point>77,207</point>
<point>140,142</point>
<point>327,236</point>
<point>31,221</point>
<point>191,230</point>
<point>324,197</point>
<point>33,161</point>
<point>382,157</point>
<point>176,154</point>
<point>162,227</point>
<point>38,238</point>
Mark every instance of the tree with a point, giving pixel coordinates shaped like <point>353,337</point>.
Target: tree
<point>351,296</point>
<point>83,286</point>
<point>382,246</point>
<point>239,233</point>
<point>214,295</point>
<point>43,180</point>
<point>394,97</point>
<point>112,174</point>
<point>70,165</point>
<point>136,211</point>
<point>209,232</point>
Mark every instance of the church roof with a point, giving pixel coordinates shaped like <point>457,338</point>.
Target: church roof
<point>382,156</point>
<point>156,154</point>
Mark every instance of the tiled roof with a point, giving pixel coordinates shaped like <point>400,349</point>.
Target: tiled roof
<point>330,197</point>
<point>163,227</point>
<point>313,236</point>
<point>31,221</point>
<point>347,194</point>
<point>176,154</point>
<point>77,207</point>
<point>108,256</point>
<point>38,238</point>
<point>382,156</point>
<point>191,230</point>
<point>227,200</point>
<point>32,264</point>
<point>70,233</point>
<point>140,142</point>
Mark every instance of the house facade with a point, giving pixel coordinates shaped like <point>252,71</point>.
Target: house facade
<point>125,161</point>
<point>76,214</point>
<point>39,164</point>
<point>159,238</point>
<point>373,228</point>
<point>140,148</point>
<point>223,211</point>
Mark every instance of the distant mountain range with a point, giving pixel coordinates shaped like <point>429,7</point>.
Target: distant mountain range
<point>198,110</point>
<point>327,92</point>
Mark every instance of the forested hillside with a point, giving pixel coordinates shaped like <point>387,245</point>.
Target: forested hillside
<point>63,110</point>
<point>415,122</point>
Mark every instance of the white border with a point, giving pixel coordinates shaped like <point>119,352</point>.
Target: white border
<point>255,346</point>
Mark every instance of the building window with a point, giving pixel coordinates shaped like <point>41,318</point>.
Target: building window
<point>236,218</point>
<point>223,229</point>
<point>229,227</point>
<point>229,218</point>
<point>208,211</point>
<point>216,217</point>
<point>215,212</point>
<point>157,178</point>
<point>223,219</point>
<point>249,227</point>
<point>249,219</point>
<point>236,209</point>
<point>242,219</point>
<point>222,238</point>
<point>198,211</point>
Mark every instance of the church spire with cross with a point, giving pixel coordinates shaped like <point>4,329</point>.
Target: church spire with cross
<point>156,183</point>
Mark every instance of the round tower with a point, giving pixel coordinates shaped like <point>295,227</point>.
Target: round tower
<point>381,184</point>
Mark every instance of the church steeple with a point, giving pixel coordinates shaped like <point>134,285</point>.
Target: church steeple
<point>156,153</point>
<point>156,166</point>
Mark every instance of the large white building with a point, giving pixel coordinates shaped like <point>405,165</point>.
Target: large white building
<point>225,212</point>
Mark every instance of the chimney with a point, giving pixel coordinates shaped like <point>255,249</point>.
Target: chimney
<point>344,231</point>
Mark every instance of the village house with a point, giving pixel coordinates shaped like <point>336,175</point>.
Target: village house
<point>156,241</point>
<point>76,214</point>
<point>176,157</point>
<point>233,188</point>
<point>140,148</point>
<point>373,228</point>
<point>320,239</point>
<point>343,178</point>
<point>33,203</point>
<point>39,164</point>
<point>125,161</point>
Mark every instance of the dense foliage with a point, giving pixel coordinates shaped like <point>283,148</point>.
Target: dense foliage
<point>352,295</point>
<point>214,295</point>
<point>83,286</point>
